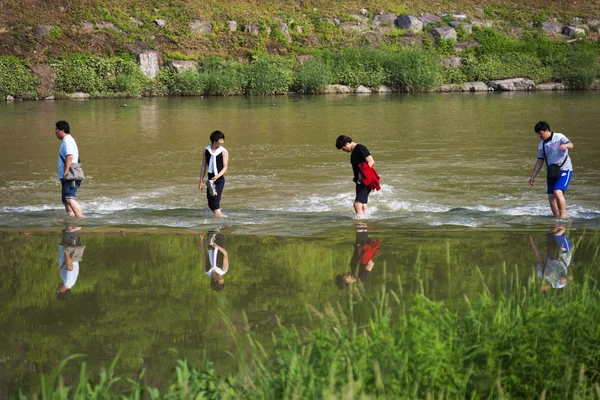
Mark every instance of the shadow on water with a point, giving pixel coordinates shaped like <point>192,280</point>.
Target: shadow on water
<point>157,297</point>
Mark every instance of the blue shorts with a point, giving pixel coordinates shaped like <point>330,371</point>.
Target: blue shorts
<point>69,190</point>
<point>562,183</point>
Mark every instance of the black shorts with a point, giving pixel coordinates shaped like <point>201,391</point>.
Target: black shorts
<point>362,193</point>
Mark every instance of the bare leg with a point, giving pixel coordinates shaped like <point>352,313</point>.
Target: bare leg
<point>553,205</point>
<point>561,203</point>
<point>72,203</point>
<point>218,213</point>
<point>69,210</point>
<point>536,250</point>
<point>360,208</point>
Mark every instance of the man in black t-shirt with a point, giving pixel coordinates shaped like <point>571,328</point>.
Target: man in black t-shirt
<point>358,154</point>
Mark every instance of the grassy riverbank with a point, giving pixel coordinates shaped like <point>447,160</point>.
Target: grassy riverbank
<point>92,48</point>
<point>523,342</point>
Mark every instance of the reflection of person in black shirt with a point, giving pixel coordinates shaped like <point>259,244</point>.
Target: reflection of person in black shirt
<point>216,260</point>
<point>362,261</point>
<point>553,270</point>
<point>70,253</point>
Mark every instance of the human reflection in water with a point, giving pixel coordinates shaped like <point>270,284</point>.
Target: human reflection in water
<point>70,254</point>
<point>553,270</point>
<point>216,260</point>
<point>362,262</point>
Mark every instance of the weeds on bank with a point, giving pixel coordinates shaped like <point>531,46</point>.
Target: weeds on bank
<point>521,343</point>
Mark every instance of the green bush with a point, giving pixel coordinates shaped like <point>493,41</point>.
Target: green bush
<point>580,69</point>
<point>15,78</point>
<point>188,83</point>
<point>313,77</point>
<point>445,46</point>
<point>223,78</point>
<point>355,67</point>
<point>161,84</point>
<point>503,66</point>
<point>411,70</point>
<point>92,74</point>
<point>269,75</point>
<point>493,42</point>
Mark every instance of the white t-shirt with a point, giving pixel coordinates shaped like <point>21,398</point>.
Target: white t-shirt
<point>69,277</point>
<point>67,147</point>
<point>212,257</point>
<point>553,153</point>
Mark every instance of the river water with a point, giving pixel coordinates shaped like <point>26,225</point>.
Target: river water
<point>455,217</point>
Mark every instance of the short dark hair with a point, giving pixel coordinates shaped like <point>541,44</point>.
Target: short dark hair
<point>63,295</point>
<point>342,140</point>
<point>216,135</point>
<point>63,126</point>
<point>216,286</point>
<point>541,126</point>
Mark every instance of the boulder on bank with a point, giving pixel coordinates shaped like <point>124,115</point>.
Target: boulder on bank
<point>383,89</point>
<point>550,86</point>
<point>78,96</point>
<point>572,31</point>
<point>444,32</point>
<point>475,87</point>
<point>43,30</point>
<point>552,28</point>
<point>183,65</point>
<point>149,63</point>
<point>409,22</point>
<point>337,89</point>
<point>451,62</point>
<point>427,19</point>
<point>283,28</point>
<point>363,90</point>
<point>453,87</point>
<point>200,27</point>
<point>515,84</point>
<point>385,19</point>
<point>232,25</point>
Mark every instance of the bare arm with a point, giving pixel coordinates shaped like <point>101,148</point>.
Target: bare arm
<point>68,162</point>
<point>68,261</point>
<point>536,170</point>
<point>565,146</point>
<point>370,161</point>
<point>225,257</point>
<point>225,165</point>
<point>202,171</point>
<point>203,251</point>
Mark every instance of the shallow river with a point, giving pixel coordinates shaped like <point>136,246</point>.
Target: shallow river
<point>455,217</point>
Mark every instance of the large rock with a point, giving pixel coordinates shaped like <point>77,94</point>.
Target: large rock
<point>183,65</point>
<point>161,23</point>
<point>149,62</point>
<point>444,32</point>
<point>572,31</point>
<point>465,25</point>
<point>453,87</point>
<point>200,27</point>
<point>512,84</point>
<point>78,96</point>
<point>451,62</point>
<point>549,86</point>
<point>283,28</point>
<point>427,19</point>
<point>252,28</point>
<point>232,25</point>
<point>552,28</point>
<point>385,19</point>
<point>475,87</point>
<point>43,30</point>
<point>409,22</point>
<point>363,90</point>
<point>383,89</point>
<point>461,46</point>
<point>337,89</point>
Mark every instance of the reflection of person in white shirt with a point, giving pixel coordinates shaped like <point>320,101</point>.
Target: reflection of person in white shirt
<point>69,270</point>
<point>216,260</point>
<point>553,270</point>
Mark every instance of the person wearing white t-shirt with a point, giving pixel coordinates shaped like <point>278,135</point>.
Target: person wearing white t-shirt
<point>216,260</point>
<point>554,150</point>
<point>69,271</point>
<point>68,153</point>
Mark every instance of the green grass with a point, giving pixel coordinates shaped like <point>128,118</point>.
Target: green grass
<point>523,342</point>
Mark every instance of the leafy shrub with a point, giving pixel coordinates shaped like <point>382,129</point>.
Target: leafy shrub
<point>92,74</point>
<point>452,75</point>
<point>493,42</point>
<point>411,70</point>
<point>445,46</point>
<point>161,84</point>
<point>15,78</point>
<point>223,78</point>
<point>269,76</point>
<point>313,77</point>
<point>580,69</point>
<point>188,83</point>
<point>503,66</point>
<point>355,67</point>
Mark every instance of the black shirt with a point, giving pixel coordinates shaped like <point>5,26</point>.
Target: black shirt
<point>358,155</point>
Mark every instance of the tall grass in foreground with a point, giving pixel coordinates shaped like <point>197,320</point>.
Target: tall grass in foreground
<point>523,343</point>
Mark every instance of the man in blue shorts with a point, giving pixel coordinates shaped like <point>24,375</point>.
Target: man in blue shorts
<point>358,154</point>
<point>68,153</point>
<point>554,149</point>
